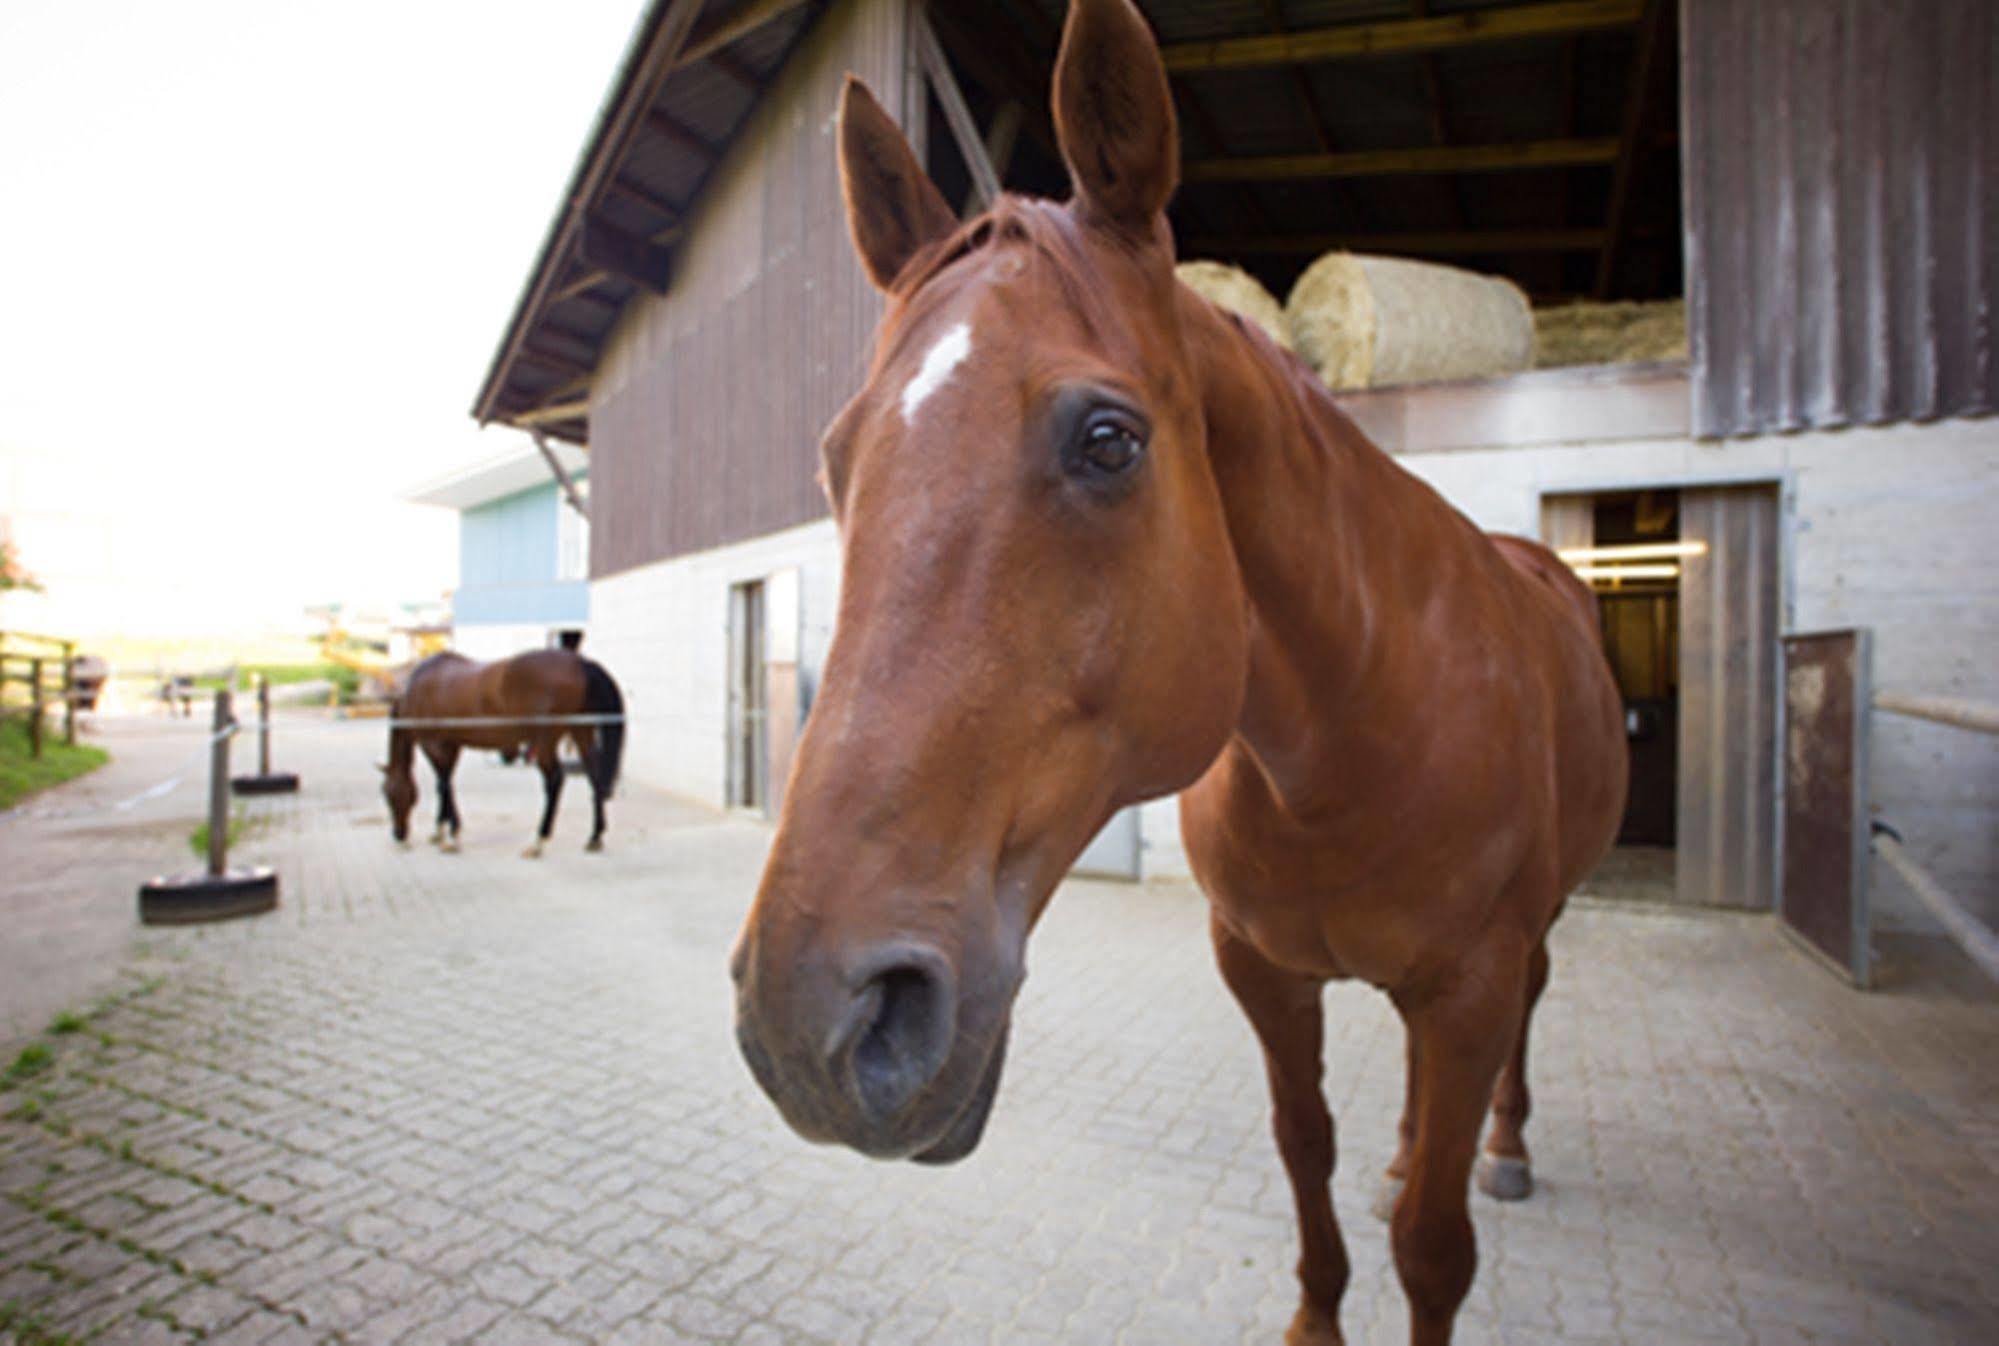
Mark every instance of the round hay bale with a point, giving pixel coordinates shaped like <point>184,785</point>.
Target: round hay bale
<point>1365,322</point>
<point>1234,289</point>
<point>1610,334</point>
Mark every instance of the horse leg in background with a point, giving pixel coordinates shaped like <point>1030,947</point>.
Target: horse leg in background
<point>1463,1034</point>
<point>587,747</point>
<point>1504,1169</point>
<point>550,761</point>
<point>444,760</point>
<point>1287,1014</point>
<point>1397,1176</point>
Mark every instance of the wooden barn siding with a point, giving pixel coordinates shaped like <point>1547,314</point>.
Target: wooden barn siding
<point>1842,241</point>
<point>706,413</point>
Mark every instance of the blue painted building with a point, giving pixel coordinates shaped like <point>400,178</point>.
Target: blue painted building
<point>523,552</point>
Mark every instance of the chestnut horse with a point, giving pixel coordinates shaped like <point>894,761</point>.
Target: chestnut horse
<point>1103,542</point>
<point>507,707</point>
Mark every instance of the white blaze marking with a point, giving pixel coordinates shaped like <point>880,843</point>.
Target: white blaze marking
<point>949,352</point>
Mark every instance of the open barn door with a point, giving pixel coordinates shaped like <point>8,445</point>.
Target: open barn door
<point>1822,889</point>
<point>1729,621</point>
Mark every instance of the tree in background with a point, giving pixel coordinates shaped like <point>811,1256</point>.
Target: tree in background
<point>12,575</point>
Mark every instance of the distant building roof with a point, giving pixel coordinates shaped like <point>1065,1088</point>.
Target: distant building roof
<point>497,477</point>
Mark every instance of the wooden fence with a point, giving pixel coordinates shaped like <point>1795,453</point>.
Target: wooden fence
<point>38,674</point>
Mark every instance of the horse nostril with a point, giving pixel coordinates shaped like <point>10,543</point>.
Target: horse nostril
<point>900,1030</point>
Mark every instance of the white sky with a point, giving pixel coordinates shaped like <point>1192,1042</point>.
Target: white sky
<point>254,258</point>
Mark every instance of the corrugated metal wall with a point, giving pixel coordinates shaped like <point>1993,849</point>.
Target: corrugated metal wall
<point>1842,239</point>
<point>706,412</point>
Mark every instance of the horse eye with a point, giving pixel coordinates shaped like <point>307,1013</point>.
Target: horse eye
<point>1111,445</point>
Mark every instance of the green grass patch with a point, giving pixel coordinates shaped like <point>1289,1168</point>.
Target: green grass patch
<point>67,1022</point>
<point>33,1060</point>
<point>29,1329</point>
<point>240,826</point>
<point>22,775</point>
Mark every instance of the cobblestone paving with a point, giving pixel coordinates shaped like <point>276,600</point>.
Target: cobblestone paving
<point>475,1098</point>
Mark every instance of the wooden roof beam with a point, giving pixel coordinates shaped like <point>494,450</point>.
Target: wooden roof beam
<point>552,414</point>
<point>1658,30</point>
<point>732,66</point>
<point>1391,163</point>
<point>605,246</point>
<point>665,124</point>
<point>1441,243</point>
<point>735,28</point>
<point>1398,37</point>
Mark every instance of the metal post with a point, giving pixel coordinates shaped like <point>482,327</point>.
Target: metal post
<point>218,789</point>
<point>263,725</point>
<point>34,708</point>
<point>69,699</point>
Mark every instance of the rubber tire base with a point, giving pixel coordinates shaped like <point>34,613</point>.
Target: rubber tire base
<point>189,899</point>
<point>277,783</point>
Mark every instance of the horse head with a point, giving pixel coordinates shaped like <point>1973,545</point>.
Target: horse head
<point>399,790</point>
<point>1040,619</point>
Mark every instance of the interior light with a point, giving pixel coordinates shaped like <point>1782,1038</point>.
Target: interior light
<point>1637,551</point>
<point>1617,574</point>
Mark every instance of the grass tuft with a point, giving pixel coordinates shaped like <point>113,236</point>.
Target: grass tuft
<point>22,775</point>
<point>33,1060</point>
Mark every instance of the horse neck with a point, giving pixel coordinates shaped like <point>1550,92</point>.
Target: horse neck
<point>402,745</point>
<point>1332,540</point>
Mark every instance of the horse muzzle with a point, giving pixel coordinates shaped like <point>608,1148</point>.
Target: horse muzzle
<point>891,1053</point>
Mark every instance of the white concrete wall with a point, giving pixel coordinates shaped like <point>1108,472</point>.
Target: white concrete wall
<point>1891,529</point>
<point>663,632</point>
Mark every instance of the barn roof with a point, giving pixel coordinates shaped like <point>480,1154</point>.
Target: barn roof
<point>1533,138</point>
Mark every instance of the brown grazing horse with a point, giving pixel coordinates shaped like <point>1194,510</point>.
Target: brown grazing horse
<point>506,706</point>
<point>1104,542</point>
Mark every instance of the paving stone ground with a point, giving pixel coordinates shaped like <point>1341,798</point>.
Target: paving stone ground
<point>476,1098</point>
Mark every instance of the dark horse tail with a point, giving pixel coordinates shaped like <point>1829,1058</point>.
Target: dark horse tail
<point>602,697</point>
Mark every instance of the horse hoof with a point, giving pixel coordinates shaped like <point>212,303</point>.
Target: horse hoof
<point>1313,1326</point>
<point>449,845</point>
<point>532,853</point>
<point>1505,1178</point>
<point>594,844</point>
<point>1385,1197</point>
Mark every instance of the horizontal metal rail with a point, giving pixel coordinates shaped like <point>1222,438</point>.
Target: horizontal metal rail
<point>1971,934</point>
<point>1980,716</point>
<point>501,721</point>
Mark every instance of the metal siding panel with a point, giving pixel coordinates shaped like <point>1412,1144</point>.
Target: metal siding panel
<point>1841,240</point>
<point>1728,634</point>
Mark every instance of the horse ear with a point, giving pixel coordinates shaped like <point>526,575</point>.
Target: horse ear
<point>1114,116</point>
<point>893,209</point>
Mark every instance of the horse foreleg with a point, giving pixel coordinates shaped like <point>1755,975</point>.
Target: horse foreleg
<point>551,784</point>
<point>1286,1012</point>
<point>1462,1035</point>
<point>1505,1171</point>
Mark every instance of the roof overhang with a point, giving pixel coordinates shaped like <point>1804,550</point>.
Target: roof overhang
<point>497,477</point>
<point>691,74</point>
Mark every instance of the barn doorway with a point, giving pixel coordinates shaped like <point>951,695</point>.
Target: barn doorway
<point>747,784</point>
<point>1686,583</point>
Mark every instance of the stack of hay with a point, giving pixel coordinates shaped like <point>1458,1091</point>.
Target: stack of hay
<point>1607,334</point>
<point>1366,322</point>
<point>1234,289</point>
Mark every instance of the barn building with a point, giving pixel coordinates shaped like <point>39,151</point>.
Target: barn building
<point>1816,180</point>
<point>523,551</point>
